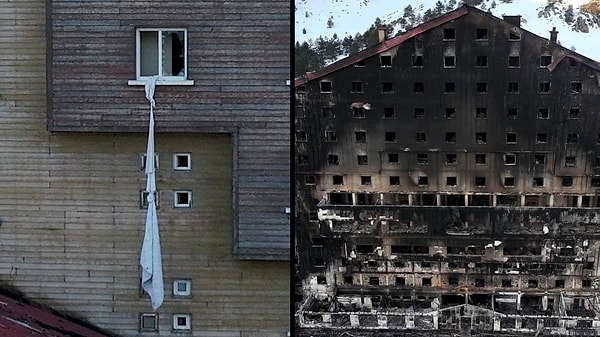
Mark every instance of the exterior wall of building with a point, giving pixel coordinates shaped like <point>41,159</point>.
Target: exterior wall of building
<point>238,89</point>
<point>405,217</point>
<point>72,226</point>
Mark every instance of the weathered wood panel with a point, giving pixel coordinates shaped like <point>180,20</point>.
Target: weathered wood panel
<point>71,222</point>
<point>239,58</point>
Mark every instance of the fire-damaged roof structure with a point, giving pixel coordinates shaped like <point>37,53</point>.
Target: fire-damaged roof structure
<point>447,183</point>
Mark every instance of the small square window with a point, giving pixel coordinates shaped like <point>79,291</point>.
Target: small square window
<point>510,159</point>
<point>532,283</point>
<point>417,61</point>
<point>386,61</point>
<point>301,137</point>
<point>479,181</point>
<point>545,60</point>
<point>143,162</point>
<point>480,282</point>
<point>480,137</point>
<point>360,136</point>
<point>182,322</point>
<point>348,280</point>
<point>559,283</point>
<point>423,181</point>
<point>365,180</point>
<point>418,87</point>
<point>453,281</point>
<point>422,158</point>
<point>328,112</point>
<point>509,182</point>
<point>511,138</point>
<point>576,87</point>
<point>513,87</point>
<point>302,159</point>
<point>182,199</point>
<point>362,160</point>
<point>310,180</point>
<point>400,281</point>
<point>514,61</point>
<point>394,180</point>
<point>182,287</point>
<point>419,113</point>
<point>449,61</point>
<point>481,61</point>
<point>481,34</point>
<point>451,159</point>
<point>330,136</point>
<point>144,199</point>
<point>449,34</point>
<point>162,53</point>
<point>570,161</point>
<point>333,159</point>
<point>390,137</point>
<point>450,113</point>
<point>421,137</point>
<point>544,87</point>
<point>538,182</point>
<point>539,159</point>
<point>357,87</point>
<point>514,36</point>
<point>506,283</point>
<point>451,181</point>
<point>450,87</point>
<point>389,113</point>
<point>586,283</point>
<point>575,113</point>
<point>480,159</point>
<point>541,138</point>
<point>387,87</point>
<point>567,181</point>
<point>543,113</point>
<point>481,87</point>
<point>326,87</point>
<point>360,64</point>
<point>595,181</point>
<point>374,281</point>
<point>572,138</point>
<point>148,322</point>
<point>358,112</point>
<point>481,113</point>
<point>450,137</point>
<point>338,180</point>
<point>392,158</point>
<point>426,281</point>
<point>512,113</point>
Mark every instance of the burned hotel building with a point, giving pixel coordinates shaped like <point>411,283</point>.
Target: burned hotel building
<point>447,183</point>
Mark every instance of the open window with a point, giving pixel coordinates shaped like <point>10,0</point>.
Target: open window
<point>163,53</point>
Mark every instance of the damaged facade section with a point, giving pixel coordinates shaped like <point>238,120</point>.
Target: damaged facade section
<point>447,182</point>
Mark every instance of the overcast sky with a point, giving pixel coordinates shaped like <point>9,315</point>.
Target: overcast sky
<point>353,16</point>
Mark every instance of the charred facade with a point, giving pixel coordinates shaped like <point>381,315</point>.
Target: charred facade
<point>447,182</point>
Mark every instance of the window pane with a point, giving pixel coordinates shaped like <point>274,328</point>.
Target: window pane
<point>148,53</point>
<point>173,58</point>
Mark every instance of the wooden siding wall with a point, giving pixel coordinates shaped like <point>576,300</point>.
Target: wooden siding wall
<point>239,58</point>
<point>71,224</point>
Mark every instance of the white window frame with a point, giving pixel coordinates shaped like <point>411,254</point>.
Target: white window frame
<point>187,326</point>
<point>162,80</point>
<point>178,205</point>
<point>150,315</point>
<point>182,168</point>
<point>188,288</point>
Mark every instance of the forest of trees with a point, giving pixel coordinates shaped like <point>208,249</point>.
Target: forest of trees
<point>313,54</point>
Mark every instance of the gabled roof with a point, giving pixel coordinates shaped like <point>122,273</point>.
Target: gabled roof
<point>391,43</point>
<point>20,318</point>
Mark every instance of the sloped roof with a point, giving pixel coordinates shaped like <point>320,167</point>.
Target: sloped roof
<point>21,318</point>
<point>391,43</point>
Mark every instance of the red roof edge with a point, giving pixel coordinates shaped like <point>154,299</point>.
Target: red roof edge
<point>579,58</point>
<point>21,318</point>
<point>385,45</point>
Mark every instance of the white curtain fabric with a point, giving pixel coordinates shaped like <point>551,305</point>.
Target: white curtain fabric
<point>150,257</point>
